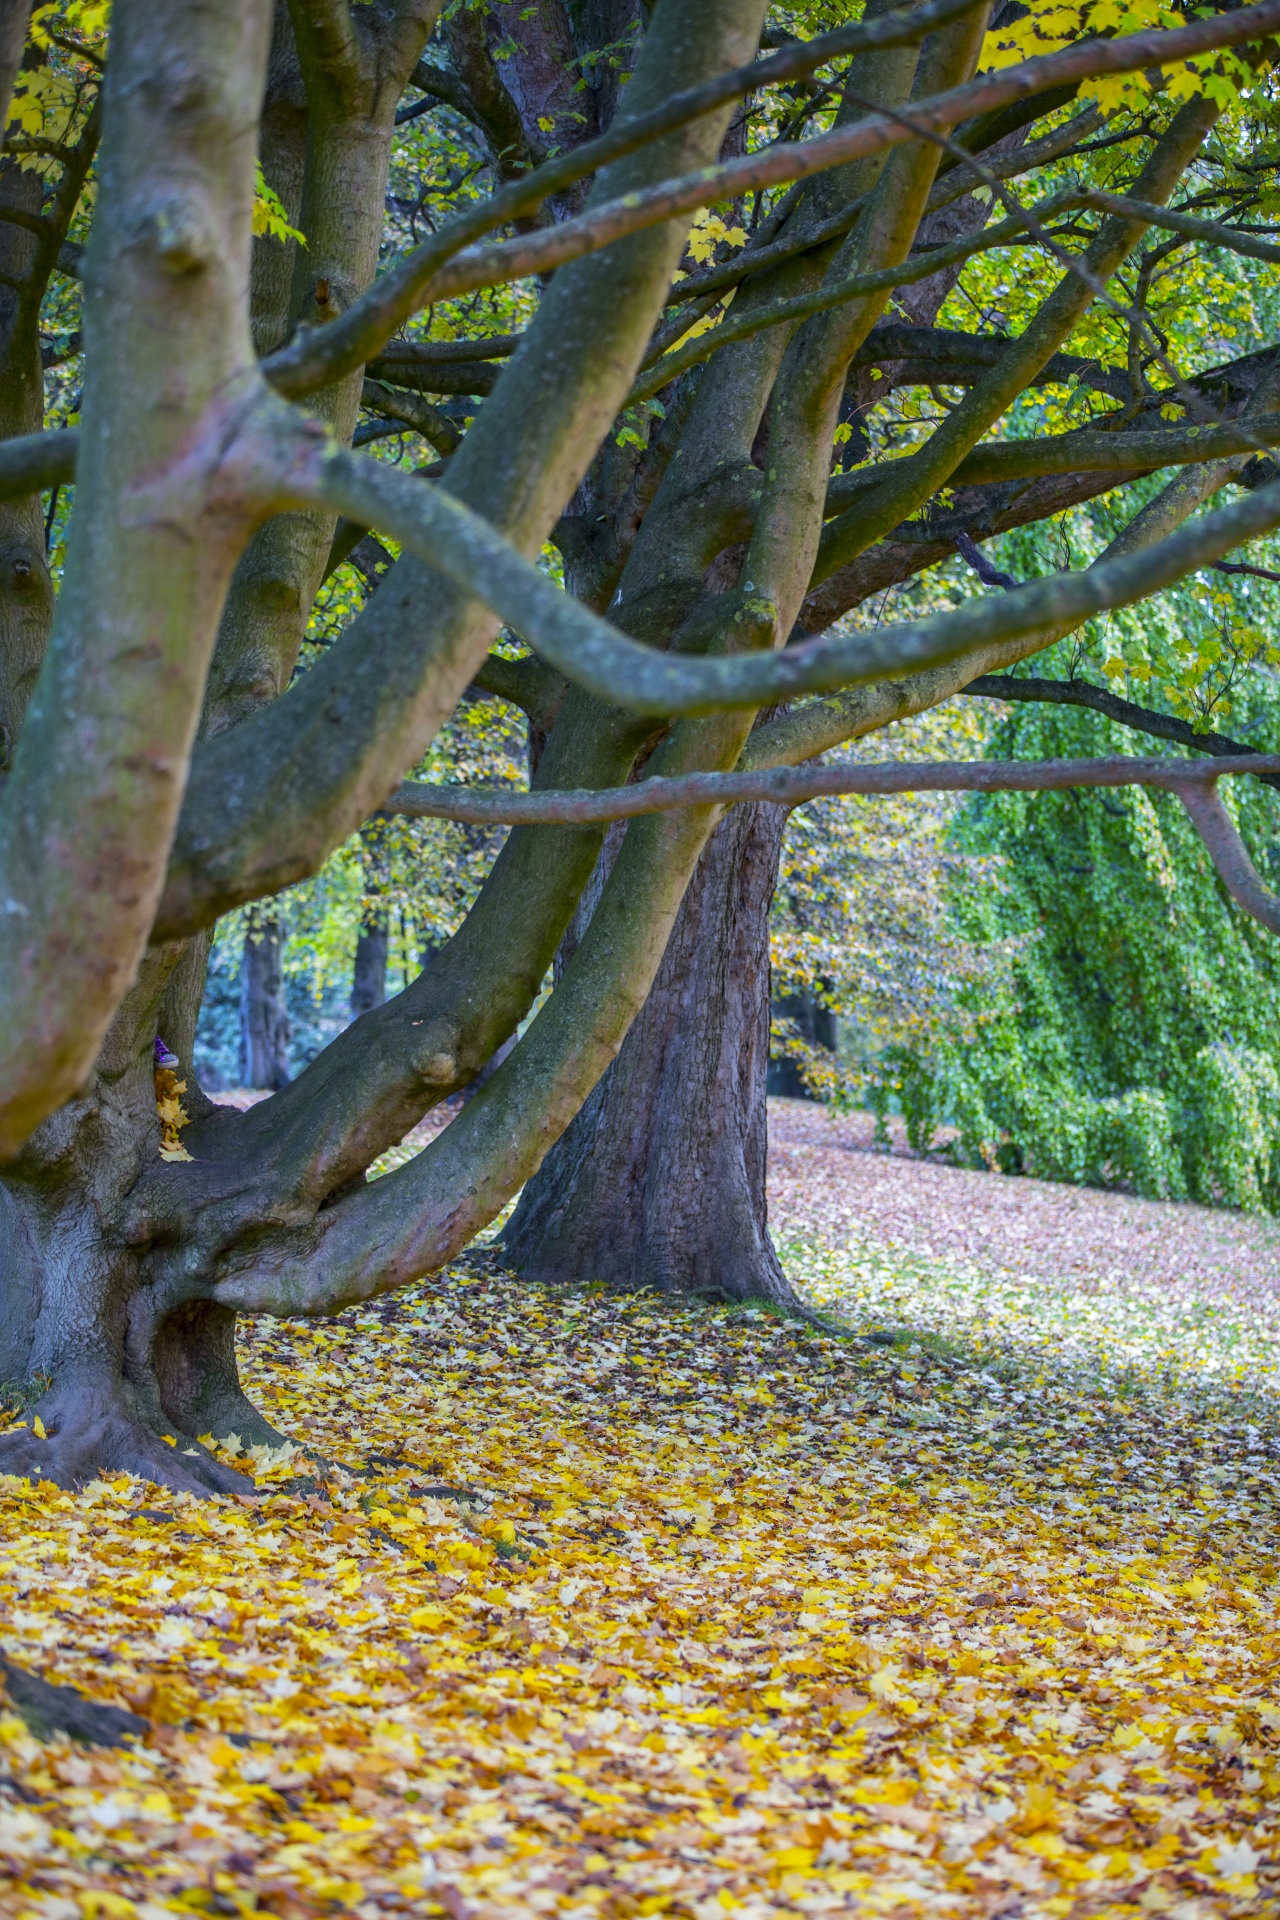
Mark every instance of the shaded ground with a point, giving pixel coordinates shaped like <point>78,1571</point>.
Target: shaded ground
<point>825,1180</point>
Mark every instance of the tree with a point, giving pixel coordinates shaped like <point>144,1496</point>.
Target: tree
<point>189,747</point>
<point>264,1021</point>
<point>605,1202</point>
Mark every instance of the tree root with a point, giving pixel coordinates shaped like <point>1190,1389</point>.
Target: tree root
<point>90,1429</point>
<point>49,1709</point>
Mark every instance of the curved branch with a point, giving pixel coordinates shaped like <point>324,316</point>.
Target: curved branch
<point>792,786</point>
<point>1079,693</point>
<point>445,266</point>
<point>596,656</point>
<point>1236,239</point>
<point>1229,854</point>
<point>538,690</point>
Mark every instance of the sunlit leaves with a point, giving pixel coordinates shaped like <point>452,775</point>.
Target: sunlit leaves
<point>653,1611</point>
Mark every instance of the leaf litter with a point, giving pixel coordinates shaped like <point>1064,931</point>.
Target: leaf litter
<point>606,1606</point>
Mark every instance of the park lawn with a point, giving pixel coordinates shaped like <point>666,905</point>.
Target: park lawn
<point>611,1607</point>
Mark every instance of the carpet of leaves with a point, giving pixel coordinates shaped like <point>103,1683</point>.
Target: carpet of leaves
<point>953,1604</point>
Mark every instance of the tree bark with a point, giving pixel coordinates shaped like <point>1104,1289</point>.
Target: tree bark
<point>264,1021</point>
<point>369,976</point>
<point>660,1181</point>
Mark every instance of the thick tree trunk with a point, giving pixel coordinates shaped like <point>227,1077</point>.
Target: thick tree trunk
<point>264,1022</point>
<point>126,1373</point>
<point>369,976</point>
<point>660,1181</point>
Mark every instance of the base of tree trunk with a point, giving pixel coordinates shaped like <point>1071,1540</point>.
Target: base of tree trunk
<point>94,1426</point>
<point>129,1383</point>
<point>660,1181</point>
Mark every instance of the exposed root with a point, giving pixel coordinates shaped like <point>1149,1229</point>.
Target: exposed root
<point>49,1709</point>
<point>90,1429</point>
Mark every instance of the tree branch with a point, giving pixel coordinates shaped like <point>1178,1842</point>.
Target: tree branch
<point>834,294</point>
<point>413,411</point>
<point>615,668</point>
<point>269,799</point>
<point>1230,855</point>
<point>446,266</point>
<point>30,462</point>
<point>538,690</point>
<point>89,811</point>
<point>766,252</point>
<point>793,786</point>
<point>1079,693</point>
<point>904,490</point>
<point>442,89</point>
<point>1213,232</point>
<point>817,726</point>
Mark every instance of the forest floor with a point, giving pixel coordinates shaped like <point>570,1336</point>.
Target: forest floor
<point>960,1599</point>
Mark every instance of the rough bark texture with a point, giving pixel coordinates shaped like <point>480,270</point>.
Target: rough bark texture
<point>660,1181</point>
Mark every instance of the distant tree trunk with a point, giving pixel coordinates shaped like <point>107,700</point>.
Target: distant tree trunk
<point>660,1181</point>
<point>817,1025</point>
<point>369,979</point>
<point>264,1023</point>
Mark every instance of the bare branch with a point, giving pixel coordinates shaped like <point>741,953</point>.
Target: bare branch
<point>1230,855</point>
<point>765,251</point>
<point>1091,450</point>
<point>1213,232</point>
<point>1079,693</point>
<point>33,461</point>
<point>412,410</point>
<point>792,786</point>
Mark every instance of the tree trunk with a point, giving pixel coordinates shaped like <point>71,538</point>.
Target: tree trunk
<point>264,1022</point>
<point>660,1181</point>
<point>817,1025</point>
<point>369,978</point>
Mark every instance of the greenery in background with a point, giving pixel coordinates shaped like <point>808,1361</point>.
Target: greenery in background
<point>1101,1012</point>
<point>1060,979</point>
<point>418,877</point>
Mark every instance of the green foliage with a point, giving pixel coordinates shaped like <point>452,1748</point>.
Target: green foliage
<point>1136,1034</point>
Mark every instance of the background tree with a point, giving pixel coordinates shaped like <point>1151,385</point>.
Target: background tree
<point>184,754</point>
<point>581,1216</point>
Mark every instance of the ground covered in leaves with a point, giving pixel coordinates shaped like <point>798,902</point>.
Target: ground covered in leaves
<point>966,1606</point>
